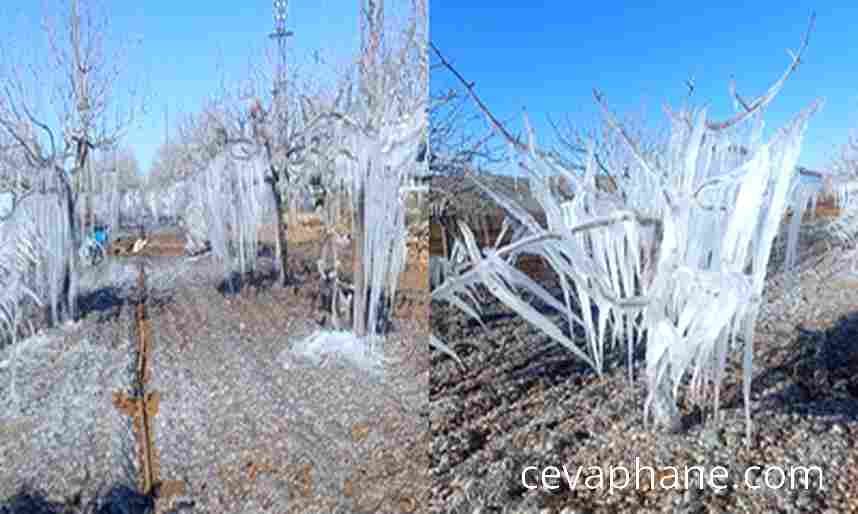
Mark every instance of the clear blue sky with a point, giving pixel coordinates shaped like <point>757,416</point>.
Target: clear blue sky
<point>548,56</point>
<point>186,44</point>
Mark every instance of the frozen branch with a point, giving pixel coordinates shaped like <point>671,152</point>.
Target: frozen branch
<point>762,101</point>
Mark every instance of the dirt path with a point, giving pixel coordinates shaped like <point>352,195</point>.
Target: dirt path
<point>242,424</point>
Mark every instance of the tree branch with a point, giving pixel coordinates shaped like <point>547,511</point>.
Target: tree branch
<point>762,101</point>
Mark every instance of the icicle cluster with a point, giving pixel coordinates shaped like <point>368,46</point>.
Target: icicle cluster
<point>383,160</point>
<point>35,251</point>
<point>681,255</point>
<point>844,227</point>
<point>232,201</point>
<point>20,252</point>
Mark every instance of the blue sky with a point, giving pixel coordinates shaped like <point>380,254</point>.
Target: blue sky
<point>185,45</point>
<point>548,56</point>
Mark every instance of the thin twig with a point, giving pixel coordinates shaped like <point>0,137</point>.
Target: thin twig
<point>762,101</point>
<point>501,129</point>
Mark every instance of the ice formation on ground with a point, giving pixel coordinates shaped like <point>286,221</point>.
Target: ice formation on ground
<point>320,347</point>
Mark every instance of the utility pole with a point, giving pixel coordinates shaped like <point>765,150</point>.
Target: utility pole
<point>279,90</point>
<point>277,140</point>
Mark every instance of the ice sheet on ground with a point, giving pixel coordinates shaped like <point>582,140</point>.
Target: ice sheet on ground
<point>321,346</point>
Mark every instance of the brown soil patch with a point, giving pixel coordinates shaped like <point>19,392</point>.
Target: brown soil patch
<point>826,208</point>
<point>308,230</point>
<point>486,234</point>
<point>164,244</point>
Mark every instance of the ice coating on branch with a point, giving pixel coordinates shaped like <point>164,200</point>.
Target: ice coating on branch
<point>679,252</point>
<point>231,199</point>
<point>321,346</point>
<point>383,161</point>
<point>35,247</point>
<point>21,251</point>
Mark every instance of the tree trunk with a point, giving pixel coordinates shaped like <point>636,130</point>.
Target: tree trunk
<point>335,283</point>
<point>282,248</point>
<point>450,225</point>
<point>359,297</point>
<point>70,278</point>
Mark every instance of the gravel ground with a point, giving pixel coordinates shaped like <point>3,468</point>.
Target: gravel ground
<point>263,407</point>
<point>524,402</point>
<point>63,437</point>
<point>243,423</point>
<point>247,426</point>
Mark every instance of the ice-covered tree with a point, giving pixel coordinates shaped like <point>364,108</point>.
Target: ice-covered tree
<point>842,183</point>
<point>385,131</point>
<point>120,164</point>
<point>81,77</point>
<point>287,131</point>
<point>710,212</point>
<point>381,136</point>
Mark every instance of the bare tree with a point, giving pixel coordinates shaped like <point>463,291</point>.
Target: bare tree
<point>81,74</point>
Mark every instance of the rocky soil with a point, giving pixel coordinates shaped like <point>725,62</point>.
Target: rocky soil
<point>243,425</point>
<point>522,401</point>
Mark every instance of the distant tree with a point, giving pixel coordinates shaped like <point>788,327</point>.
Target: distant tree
<point>845,162</point>
<point>171,164</point>
<point>201,136</point>
<point>120,167</point>
<point>839,185</point>
<point>125,164</point>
